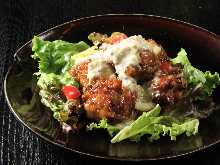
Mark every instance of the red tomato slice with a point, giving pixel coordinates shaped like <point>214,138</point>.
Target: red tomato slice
<point>71,92</point>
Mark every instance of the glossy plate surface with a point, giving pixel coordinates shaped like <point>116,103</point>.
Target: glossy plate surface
<point>20,86</point>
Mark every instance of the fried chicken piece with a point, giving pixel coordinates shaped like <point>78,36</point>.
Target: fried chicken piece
<point>107,99</point>
<point>149,62</point>
<point>127,104</point>
<point>158,50</point>
<point>132,71</point>
<point>103,98</point>
<point>168,86</point>
<point>79,72</point>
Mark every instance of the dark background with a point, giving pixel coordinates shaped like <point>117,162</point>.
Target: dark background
<point>21,19</point>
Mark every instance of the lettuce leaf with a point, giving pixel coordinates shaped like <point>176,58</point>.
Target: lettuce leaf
<point>112,129</point>
<point>181,58</point>
<point>205,81</point>
<point>138,125</point>
<point>212,81</point>
<point>155,126</point>
<point>103,124</point>
<point>156,129</point>
<point>55,56</point>
<point>150,123</point>
<point>54,64</point>
<point>47,80</point>
<point>190,127</point>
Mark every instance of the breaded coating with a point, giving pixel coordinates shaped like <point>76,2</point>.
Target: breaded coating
<point>149,62</point>
<point>79,72</point>
<point>168,85</point>
<point>104,98</point>
<point>107,99</point>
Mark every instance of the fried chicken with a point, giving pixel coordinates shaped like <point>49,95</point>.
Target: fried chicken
<point>168,85</point>
<point>79,73</point>
<point>104,98</point>
<point>107,99</point>
<point>150,61</point>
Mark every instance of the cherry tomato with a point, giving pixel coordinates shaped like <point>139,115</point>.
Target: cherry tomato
<point>71,92</point>
<point>166,67</point>
<point>117,38</point>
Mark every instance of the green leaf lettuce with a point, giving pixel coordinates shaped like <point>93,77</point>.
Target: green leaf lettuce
<point>206,81</point>
<point>55,56</point>
<point>54,63</point>
<point>150,123</point>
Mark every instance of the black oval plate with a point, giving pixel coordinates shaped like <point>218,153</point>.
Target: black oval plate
<point>20,86</point>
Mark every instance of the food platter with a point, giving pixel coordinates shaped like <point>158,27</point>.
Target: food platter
<point>24,102</point>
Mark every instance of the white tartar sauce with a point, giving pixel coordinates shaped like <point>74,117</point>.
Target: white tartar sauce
<point>123,54</point>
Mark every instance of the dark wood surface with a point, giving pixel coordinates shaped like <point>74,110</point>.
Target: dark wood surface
<point>21,19</point>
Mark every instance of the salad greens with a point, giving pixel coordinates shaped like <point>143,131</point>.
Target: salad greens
<point>103,124</point>
<point>206,81</point>
<point>54,64</point>
<point>57,57</point>
<point>149,123</point>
